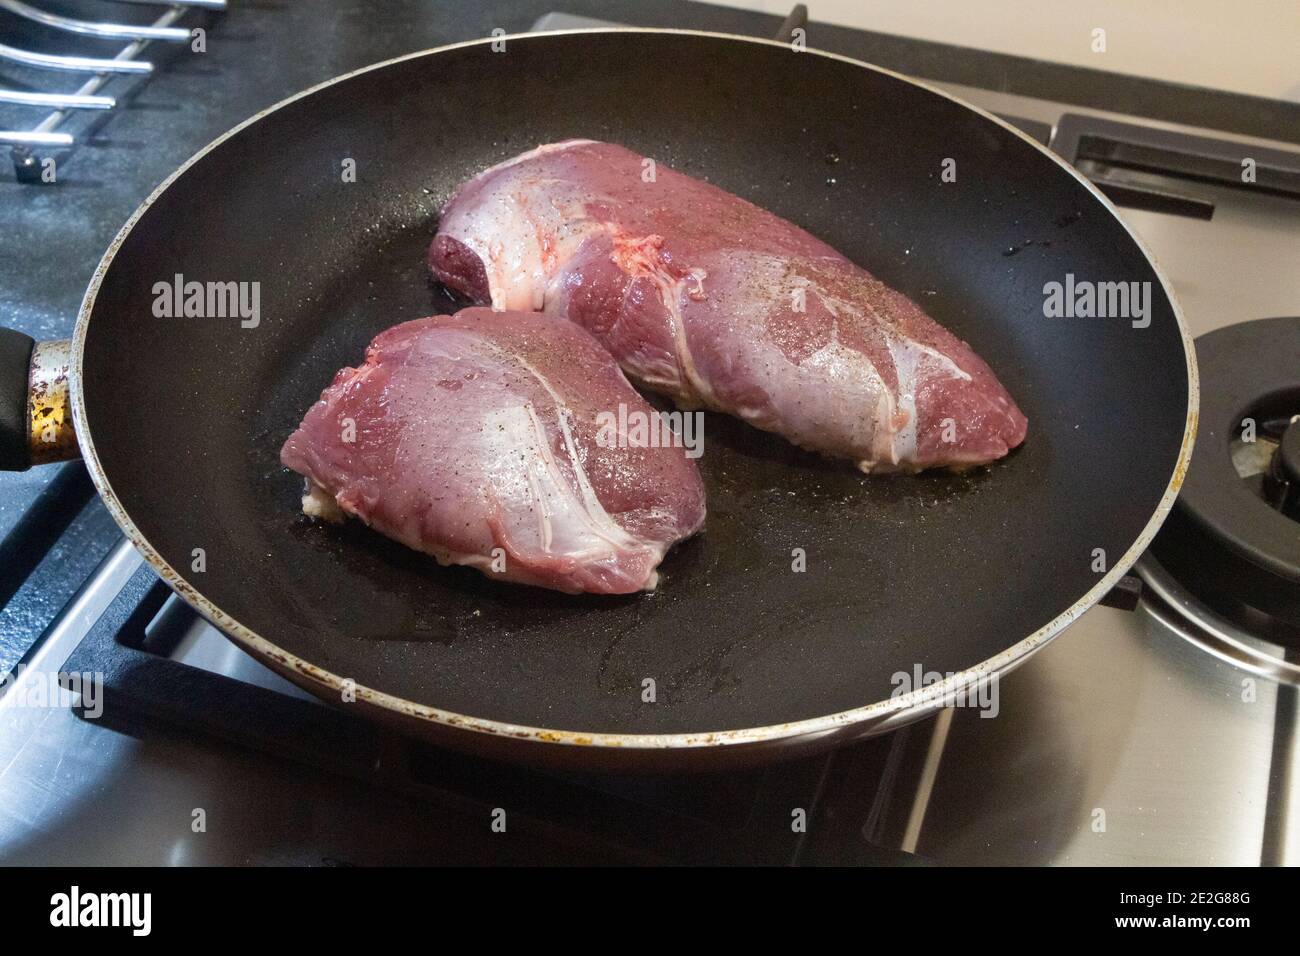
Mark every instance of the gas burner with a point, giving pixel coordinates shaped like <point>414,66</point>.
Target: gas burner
<point>1233,538</point>
<point>1282,481</point>
<point>1267,457</point>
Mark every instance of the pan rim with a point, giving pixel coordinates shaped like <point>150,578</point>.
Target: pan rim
<point>917,701</point>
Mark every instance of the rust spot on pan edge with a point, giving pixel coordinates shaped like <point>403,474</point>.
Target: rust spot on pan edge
<point>50,432</point>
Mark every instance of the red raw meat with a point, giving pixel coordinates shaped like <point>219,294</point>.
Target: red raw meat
<point>717,303</point>
<point>460,435</point>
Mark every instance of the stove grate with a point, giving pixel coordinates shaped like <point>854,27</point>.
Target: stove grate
<point>30,146</point>
<point>739,817</point>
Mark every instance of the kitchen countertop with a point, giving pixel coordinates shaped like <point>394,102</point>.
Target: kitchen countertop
<point>1246,48</point>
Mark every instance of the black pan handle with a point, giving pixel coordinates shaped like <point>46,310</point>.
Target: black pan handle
<point>35,402</point>
<point>15,367</point>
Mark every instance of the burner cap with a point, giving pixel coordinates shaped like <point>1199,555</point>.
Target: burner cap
<point>1285,474</point>
<point>1233,536</point>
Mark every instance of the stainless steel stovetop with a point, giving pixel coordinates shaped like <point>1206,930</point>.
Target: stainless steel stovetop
<point>1136,737</point>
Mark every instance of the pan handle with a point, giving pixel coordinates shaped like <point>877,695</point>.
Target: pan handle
<point>35,402</point>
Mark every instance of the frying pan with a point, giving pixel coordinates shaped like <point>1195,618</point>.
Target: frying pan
<point>736,657</point>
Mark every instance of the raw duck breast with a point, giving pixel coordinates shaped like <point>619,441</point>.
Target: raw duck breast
<point>465,434</point>
<point>717,303</point>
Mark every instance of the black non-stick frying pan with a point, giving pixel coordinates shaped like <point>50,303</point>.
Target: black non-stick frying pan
<point>180,419</point>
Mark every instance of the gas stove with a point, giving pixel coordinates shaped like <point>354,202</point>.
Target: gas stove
<point>1159,729</point>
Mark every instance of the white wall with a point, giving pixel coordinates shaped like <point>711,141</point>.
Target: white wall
<point>1247,46</point>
